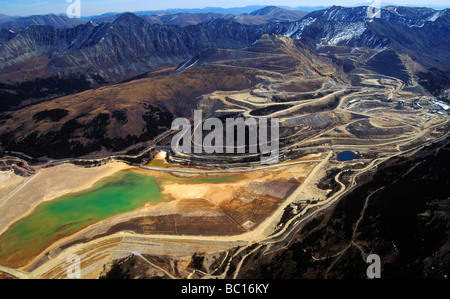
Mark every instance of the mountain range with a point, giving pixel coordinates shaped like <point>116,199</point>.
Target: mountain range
<point>131,45</point>
<point>91,64</point>
<point>118,116</point>
<point>175,17</point>
<point>56,21</point>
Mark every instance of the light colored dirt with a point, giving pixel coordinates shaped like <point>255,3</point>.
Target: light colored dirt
<point>201,199</point>
<point>8,181</point>
<point>192,199</point>
<point>48,184</point>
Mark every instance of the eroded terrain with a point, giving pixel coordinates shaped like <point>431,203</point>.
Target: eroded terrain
<point>220,209</point>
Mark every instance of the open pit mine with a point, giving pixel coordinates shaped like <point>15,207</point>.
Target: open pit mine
<point>89,174</point>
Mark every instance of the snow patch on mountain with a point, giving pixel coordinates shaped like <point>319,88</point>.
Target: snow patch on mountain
<point>435,16</point>
<point>187,64</point>
<point>343,33</point>
<point>296,29</point>
<point>431,18</point>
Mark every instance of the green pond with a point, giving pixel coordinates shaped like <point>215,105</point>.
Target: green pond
<point>123,192</point>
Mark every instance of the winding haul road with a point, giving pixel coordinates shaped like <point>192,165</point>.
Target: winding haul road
<point>267,233</point>
<point>260,235</point>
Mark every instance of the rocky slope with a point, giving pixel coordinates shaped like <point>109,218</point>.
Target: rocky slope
<point>130,46</point>
<point>405,222</point>
<point>118,117</point>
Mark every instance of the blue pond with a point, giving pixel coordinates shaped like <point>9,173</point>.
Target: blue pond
<point>347,156</point>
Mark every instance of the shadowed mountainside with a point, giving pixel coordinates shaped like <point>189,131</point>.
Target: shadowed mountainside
<point>405,222</point>
<point>113,118</point>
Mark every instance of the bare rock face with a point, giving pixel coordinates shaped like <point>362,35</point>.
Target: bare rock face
<point>130,45</point>
<point>115,50</point>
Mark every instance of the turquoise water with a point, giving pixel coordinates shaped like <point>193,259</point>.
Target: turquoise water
<point>53,220</point>
<point>123,192</point>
